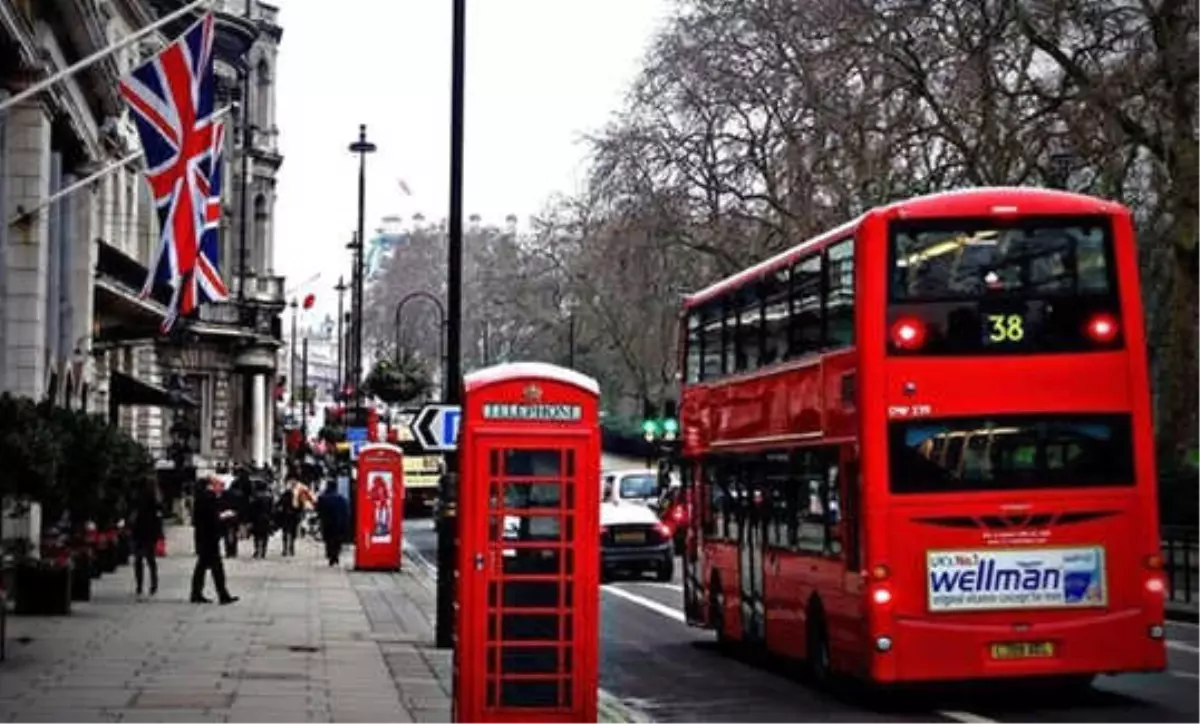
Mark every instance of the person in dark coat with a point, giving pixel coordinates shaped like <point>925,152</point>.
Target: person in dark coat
<point>260,518</point>
<point>334,513</point>
<point>207,537</point>
<point>146,532</point>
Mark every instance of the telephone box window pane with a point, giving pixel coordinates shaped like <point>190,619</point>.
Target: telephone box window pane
<point>568,632</point>
<point>570,463</point>
<point>525,660</point>
<point>493,632</point>
<point>541,694</point>
<point>568,594</point>
<point>493,594</point>
<point>530,627</point>
<point>531,594</point>
<point>570,536</point>
<point>546,528</point>
<point>568,659</point>
<point>532,495</point>
<point>491,693</point>
<point>566,692</point>
<point>532,561</point>
<point>494,463</point>
<point>546,463</point>
<point>570,494</point>
<point>569,569</point>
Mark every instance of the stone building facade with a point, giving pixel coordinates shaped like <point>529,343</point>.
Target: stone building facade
<point>73,326</point>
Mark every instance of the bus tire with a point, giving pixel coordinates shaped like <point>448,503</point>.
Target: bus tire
<point>817,647</point>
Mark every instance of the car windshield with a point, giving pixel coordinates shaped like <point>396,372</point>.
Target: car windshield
<point>639,486</point>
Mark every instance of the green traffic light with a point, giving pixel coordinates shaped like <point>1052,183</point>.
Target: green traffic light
<point>670,425</point>
<point>650,427</point>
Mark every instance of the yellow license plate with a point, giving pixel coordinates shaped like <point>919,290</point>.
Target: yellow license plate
<point>630,537</point>
<point>1023,650</point>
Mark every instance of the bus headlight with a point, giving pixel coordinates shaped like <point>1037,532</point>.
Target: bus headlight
<point>1156,632</point>
<point>883,644</point>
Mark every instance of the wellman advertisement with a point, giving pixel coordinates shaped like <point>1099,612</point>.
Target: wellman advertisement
<point>986,580</point>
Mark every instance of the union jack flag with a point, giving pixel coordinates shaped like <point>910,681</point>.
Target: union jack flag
<point>172,97</point>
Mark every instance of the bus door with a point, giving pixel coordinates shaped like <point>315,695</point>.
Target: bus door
<point>750,505</point>
<point>693,588</point>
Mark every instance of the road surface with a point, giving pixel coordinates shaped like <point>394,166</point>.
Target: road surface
<point>656,664</point>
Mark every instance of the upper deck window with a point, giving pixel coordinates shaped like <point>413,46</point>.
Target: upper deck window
<point>975,286</point>
<point>955,260</point>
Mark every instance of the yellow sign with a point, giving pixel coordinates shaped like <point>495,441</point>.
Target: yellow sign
<point>1006,328</point>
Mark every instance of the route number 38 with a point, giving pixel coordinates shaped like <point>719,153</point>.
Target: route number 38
<point>1005,328</point>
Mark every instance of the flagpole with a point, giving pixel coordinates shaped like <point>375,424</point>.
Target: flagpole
<point>100,55</point>
<point>68,190</point>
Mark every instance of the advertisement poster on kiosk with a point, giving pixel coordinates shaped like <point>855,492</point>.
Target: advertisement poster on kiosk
<point>378,502</point>
<point>380,490</point>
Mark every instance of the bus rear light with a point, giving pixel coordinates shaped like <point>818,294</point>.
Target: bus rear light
<point>1154,562</point>
<point>881,596</point>
<point>880,572</point>
<point>1155,585</point>
<point>1102,328</point>
<point>908,334</point>
<point>603,530</point>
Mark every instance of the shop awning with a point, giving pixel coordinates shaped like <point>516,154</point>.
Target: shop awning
<point>125,389</point>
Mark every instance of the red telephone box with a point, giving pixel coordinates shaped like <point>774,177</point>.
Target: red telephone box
<point>529,557</point>
<point>379,502</point>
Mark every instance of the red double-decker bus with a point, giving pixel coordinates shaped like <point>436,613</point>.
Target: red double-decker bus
<point>921,445</point>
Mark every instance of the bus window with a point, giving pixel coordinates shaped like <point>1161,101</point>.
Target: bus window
<point>729,336</point>
<point>749,343</point>
<point>1018,452</point>
<point>776,318</point>
<point>806,306</point>
<point>691,360</point>
<point>711,349</point>
<point>839,301</point>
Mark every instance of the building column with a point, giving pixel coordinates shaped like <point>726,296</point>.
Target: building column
<point>26,171</point>
<point>269,418</point>
<point>258,419</point>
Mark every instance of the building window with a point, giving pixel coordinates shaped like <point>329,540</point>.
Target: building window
<point>260,227</point>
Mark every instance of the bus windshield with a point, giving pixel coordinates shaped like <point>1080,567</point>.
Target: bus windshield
<point>1010,453</point>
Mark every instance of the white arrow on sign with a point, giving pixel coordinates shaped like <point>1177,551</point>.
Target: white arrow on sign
<point>436,427</point>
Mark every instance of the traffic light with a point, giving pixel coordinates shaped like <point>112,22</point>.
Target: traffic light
<point>670,428</point>
<point>650,429</point>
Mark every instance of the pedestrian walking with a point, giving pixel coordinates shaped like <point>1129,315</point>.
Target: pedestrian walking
<point>260,518</point>
<point>207,537</point>
<point>334,513</point>
<point>288,513</point>
<point>147,530</point>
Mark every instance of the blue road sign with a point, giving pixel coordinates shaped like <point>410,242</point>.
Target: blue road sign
<point>356,434</point>
<point>435,427</point>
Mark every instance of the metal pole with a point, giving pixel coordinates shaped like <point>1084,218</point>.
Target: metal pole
<point>341,291</point>
<point>304,393</point>
<point>292,364</point>
<point>448,529</point>
<point>362,147</point>
<point>101,54</point>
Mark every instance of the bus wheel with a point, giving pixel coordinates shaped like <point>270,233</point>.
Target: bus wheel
<point>818,649</point>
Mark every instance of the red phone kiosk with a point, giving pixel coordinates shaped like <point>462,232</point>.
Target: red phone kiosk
<point>529,558</point>
<point>379,504</point>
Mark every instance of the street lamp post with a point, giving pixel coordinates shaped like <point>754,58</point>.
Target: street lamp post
<point>341,291</point>
<point>441,325</point>
<point>292,361</point>
<point>362,147</point>
<point>448,529</point>
<point>304,394</point>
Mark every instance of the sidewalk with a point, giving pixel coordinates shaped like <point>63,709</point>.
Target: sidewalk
<point>306,643</point>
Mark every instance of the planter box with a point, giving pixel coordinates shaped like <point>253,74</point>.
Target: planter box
<point>43,590</point>
<point>81,577</point>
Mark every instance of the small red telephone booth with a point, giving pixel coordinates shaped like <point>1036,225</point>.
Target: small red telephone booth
<point>379,502</point>
<point>529,516</point>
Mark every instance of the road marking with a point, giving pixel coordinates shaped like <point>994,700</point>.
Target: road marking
<point>1181,646</point>
<point>644,602</point>
<point>967,718</point>
<point>655,584</point>
<point>1182,624</point>
<point>1184,674</point>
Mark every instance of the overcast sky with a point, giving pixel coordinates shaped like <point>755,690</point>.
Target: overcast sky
<point>539,74</point>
